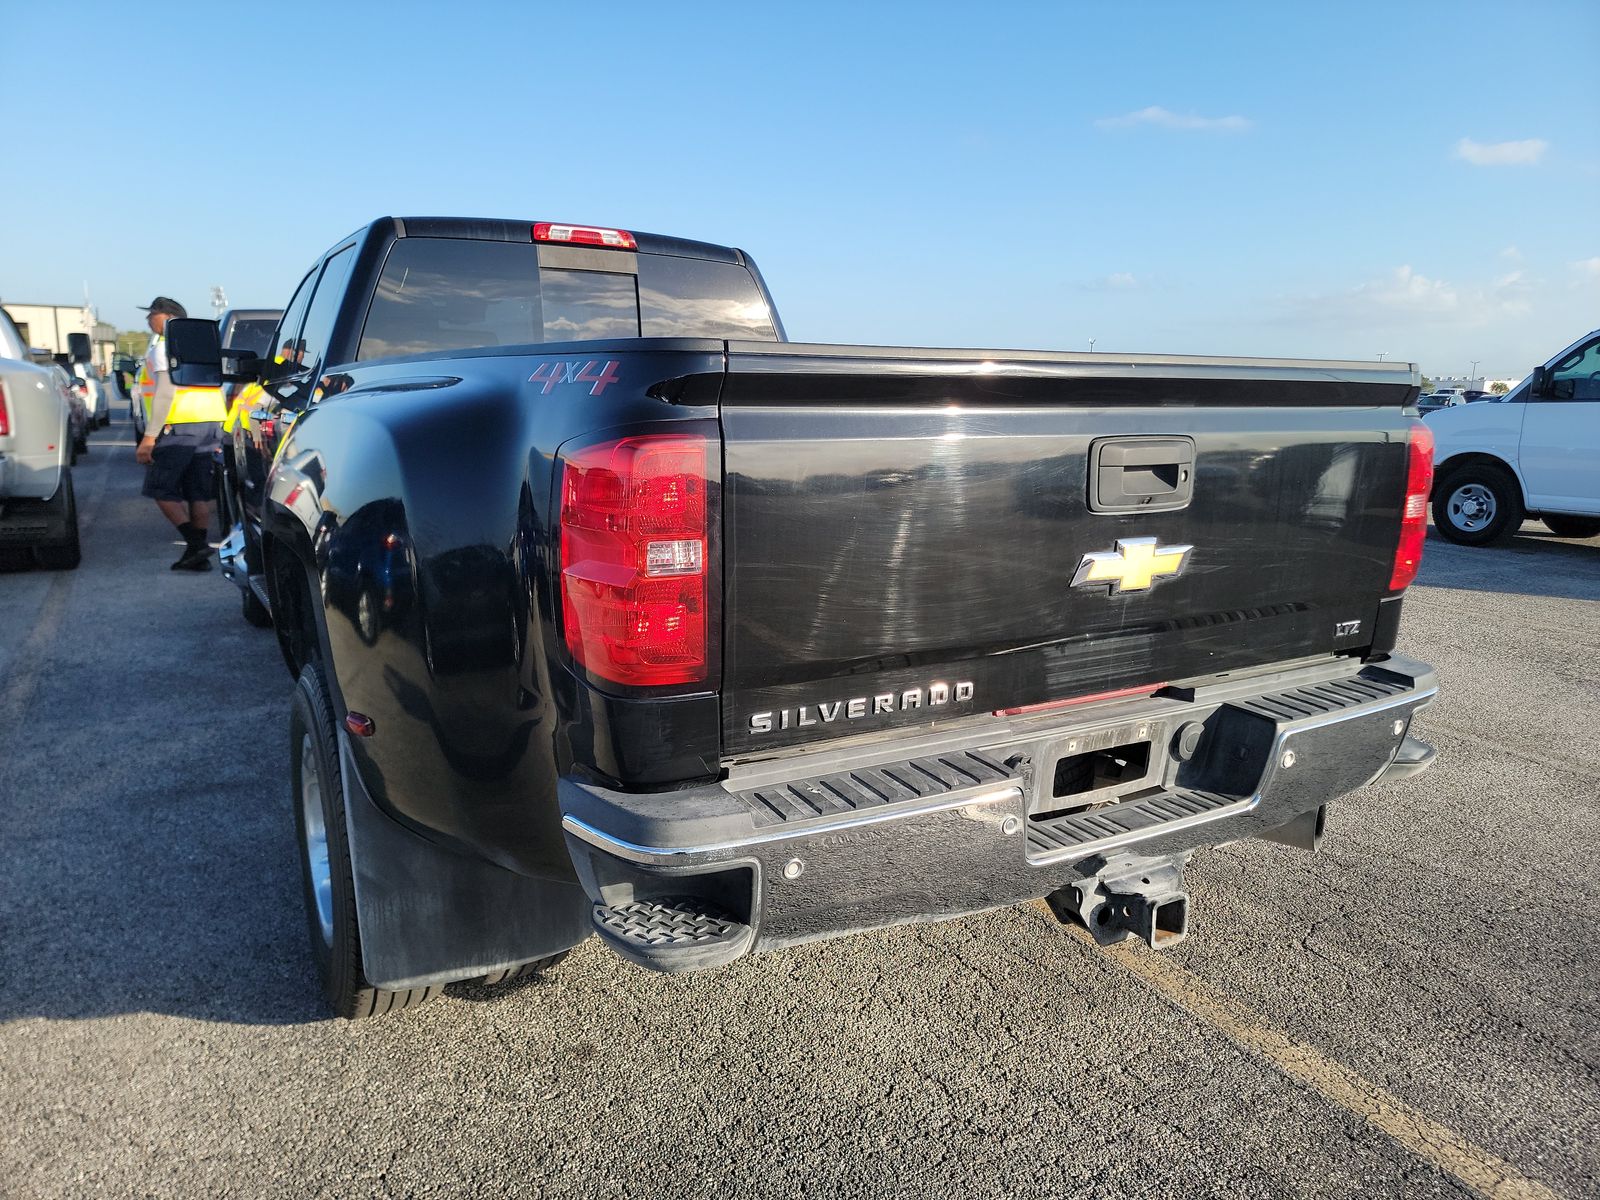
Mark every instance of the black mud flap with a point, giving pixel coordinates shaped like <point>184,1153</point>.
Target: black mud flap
<point>430,915</point>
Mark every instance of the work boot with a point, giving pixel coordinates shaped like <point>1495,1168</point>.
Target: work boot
<point>196,555</point>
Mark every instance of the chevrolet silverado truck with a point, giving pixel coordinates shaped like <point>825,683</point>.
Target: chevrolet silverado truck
<point>613,613</point>
<point>38,510</point>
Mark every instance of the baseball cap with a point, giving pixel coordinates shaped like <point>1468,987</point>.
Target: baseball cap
<point>165,304</point>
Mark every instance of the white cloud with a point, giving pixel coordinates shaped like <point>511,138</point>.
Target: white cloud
<point>1167,119</point>
<point>1511,253</point>
<point>1406,291</point>
<point>1589,267</point>
<point>1502,154</point>
<point>1404,298</point>
<point>1117,281</point>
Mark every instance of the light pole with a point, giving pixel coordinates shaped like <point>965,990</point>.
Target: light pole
<point>1382,354</point>
<point>1091,345</point>
<point>1473,374</point>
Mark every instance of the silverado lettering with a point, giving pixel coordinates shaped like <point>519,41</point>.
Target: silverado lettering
<point>856,707</point>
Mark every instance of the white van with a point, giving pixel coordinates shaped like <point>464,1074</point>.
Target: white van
<point>1534,452</point>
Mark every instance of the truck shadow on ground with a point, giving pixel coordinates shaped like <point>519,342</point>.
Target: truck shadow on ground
<point>14,562</point>
<point>1534,562</point>
<point>174,896</point>
<point>134,904</point>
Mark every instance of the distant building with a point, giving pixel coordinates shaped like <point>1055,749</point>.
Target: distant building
<point>1479,384</point>
<point>45,327</point>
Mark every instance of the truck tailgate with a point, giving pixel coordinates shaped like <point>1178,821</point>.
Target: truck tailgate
<point>903,530</point>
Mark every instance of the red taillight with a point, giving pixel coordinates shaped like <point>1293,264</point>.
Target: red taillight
<point>5,414</point>
<point>584,235</point>
<point>634,550</point>
<point>1414,510</point>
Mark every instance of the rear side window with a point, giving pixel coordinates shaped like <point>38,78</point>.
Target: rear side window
<point>439,294</point>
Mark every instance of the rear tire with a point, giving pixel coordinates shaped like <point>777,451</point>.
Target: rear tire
<point>1477,505</point>
<point>326,876</point>
<point>255,612</point>
<point>1572,527</point>
<point>66,552</point>
<point>521,971</point>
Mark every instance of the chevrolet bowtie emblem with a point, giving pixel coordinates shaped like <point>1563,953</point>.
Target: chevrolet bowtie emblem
<point>1133,566</point>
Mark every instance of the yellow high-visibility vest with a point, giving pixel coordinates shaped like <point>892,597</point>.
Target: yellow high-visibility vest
<point>243,401</point>
<point>147,391</point>
<point>191,405</point>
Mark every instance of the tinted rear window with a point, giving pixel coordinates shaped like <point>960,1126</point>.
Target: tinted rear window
<point>588,305</point>
<point>438,294</point>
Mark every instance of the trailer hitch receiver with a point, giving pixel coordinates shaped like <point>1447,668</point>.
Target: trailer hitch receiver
<point>1128,896</point>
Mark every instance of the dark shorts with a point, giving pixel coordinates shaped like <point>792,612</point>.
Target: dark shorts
<point>181,466</point>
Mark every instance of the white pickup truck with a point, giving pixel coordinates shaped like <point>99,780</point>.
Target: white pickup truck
<point>1533,453</point>
<point>37,508</point>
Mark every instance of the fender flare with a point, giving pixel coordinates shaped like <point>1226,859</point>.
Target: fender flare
<point>428,914</point>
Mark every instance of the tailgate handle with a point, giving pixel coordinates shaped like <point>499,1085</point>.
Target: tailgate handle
<point>1140,474</point>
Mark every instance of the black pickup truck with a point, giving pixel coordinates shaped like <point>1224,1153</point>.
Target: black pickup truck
<point>613,613</point>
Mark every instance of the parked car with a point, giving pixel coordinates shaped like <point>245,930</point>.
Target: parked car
<point>124,371</point>
<point>77,408</point>
<point>136,401</point>
<point>241,329</point>
<point>1537,453</point>
<point>37,508</point>
<point>96,393</point>
<point>614,614</point>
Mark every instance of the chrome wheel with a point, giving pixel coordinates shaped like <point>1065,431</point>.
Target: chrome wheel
<point>367,616</point>
<point>318,867</point>
<point>1472,507</point>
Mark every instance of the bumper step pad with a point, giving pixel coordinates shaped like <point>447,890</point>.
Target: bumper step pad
<point>849,792</point>
<point>676,933</point>
<point>1071,835</point>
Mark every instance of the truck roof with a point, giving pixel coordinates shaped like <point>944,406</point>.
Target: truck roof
<point>495,229</point>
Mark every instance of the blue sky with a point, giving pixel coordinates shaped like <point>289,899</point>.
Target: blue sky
<point>1339,180</point>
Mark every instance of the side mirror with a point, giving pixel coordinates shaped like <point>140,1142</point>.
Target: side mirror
<point>78,348</point>
<point>194,352</point>
<point>1538,382</point>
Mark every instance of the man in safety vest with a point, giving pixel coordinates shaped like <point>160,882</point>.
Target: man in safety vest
<point>183,425</point>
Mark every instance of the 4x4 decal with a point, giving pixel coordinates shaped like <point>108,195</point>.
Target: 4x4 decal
<point>600,375</point>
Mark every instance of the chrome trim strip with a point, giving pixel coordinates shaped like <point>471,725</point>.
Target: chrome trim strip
<point>666,855</point>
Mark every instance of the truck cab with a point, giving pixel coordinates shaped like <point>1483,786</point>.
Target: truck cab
<point>1535,452</point>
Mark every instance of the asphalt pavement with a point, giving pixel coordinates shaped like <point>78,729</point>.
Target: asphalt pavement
<point>1410,1011</point>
